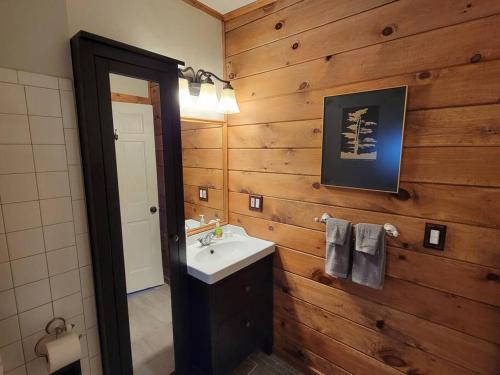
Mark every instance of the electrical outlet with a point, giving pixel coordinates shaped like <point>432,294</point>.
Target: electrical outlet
<point>435,236</point>
<point>255,202</point>
<point>203,193</point>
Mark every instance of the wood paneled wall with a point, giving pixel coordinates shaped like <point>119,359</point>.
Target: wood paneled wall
<point>203,161</point>
<point>439,311</point>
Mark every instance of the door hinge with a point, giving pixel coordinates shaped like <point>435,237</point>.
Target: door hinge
<point>116,135</point>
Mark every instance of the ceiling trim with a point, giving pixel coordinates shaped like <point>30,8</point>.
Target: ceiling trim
<point>205,8</point>
<point>246,9</point>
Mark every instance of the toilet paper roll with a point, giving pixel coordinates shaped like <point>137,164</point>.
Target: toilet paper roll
<point>63,351</point>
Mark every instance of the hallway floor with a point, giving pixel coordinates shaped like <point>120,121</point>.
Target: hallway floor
<point>150,319</point>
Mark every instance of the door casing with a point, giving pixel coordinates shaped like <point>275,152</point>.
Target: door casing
<point>94,57</point>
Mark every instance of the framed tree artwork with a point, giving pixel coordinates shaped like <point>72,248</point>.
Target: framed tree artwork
<point>363,139</point>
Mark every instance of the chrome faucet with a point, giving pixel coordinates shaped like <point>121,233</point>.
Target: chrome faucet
<point>206,239</point>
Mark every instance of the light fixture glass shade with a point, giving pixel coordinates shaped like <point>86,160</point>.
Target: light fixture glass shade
<point>228,103</point>
<point>207,99</point>
<point>185,100</point>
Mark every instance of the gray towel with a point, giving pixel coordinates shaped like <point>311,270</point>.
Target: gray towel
<point>368,266</point>
<point>338,247</point>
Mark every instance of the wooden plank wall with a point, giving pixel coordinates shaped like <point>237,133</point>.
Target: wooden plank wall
<point>439,311</point>
<point>203,162</point>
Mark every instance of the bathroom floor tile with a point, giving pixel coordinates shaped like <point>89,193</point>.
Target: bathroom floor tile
<point>259,363</point>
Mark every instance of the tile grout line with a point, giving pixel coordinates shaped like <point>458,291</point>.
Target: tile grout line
<point>74,228</point>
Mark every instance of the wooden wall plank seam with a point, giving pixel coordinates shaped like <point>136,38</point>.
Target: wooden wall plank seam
<point>438,310</point>
<point>431,201</point>
<point>461,239</point>
<point>298,56</point>
<point>386,20</point>
<point>387,350</point>
<point>233,21</point>
<point>475,166</point>
<point>457,347</point>
<point>444,308</point>
<point>292,20</point>
<point>458,86</point>
<point>459,126</point>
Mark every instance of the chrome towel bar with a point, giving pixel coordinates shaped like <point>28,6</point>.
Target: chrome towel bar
<point>390,229</point>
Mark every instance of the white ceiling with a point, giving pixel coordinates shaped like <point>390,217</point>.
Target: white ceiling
<point>225,6</point>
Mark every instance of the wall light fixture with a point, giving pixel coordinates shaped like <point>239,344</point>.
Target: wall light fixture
<point>197,89</point>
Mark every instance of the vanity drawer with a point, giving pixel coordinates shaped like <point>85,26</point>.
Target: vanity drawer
<point>240,335</point>
<point>250,286</point>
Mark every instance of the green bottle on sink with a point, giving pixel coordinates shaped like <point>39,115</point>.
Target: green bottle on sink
<point>218,229</point>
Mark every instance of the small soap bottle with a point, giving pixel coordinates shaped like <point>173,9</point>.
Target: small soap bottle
<point>218,229</point>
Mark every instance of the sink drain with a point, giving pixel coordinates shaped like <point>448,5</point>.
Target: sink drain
<point>212,251</point>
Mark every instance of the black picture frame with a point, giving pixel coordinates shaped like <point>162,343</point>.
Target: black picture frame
<point>94,57</point>
<point>363,139</point>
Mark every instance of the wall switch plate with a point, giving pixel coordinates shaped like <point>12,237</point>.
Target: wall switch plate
<point>203,193</point>
<point>435,236</point>
<point>255,202</point>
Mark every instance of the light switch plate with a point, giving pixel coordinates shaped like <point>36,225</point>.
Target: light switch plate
<point>435,236</point>
<point>203,194</point>
<point>255,202</point>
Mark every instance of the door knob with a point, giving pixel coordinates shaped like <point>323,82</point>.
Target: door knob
<point>174,237</point>
<point>153,209</point>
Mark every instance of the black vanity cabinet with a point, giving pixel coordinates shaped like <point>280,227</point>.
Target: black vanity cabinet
<point>231,318</point>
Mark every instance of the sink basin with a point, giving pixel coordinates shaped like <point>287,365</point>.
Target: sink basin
<point>226,256</point>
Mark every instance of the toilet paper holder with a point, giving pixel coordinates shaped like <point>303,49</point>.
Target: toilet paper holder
<point>52,330</point>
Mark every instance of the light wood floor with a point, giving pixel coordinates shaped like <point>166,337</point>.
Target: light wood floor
<point>150,319</point>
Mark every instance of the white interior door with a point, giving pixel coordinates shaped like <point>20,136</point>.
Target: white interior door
<point>136,164</point>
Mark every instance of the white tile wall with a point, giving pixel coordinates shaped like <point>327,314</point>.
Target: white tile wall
<point>50,158</point>
<point>4,251</point>
<point>53,184</point>
<point>18,187</point>
<point>45,263</point>
<point>56,211</point>
<point>46,130</point>
<point>12,99</point>
<point>31,321</point>
<point>16,159</point>
<point>62,260</point>
<point>8,75</point>
<point>14,129</point>
<point>20,216</point>
<point>30,269</point>
<point>59,235</point>
<point>31,295</point>
<point>25,243</point>
<point>42,101</point>
<point>5,277</point>
<point>10,330</point>
<point>7,304</point>
<point>40,80</point>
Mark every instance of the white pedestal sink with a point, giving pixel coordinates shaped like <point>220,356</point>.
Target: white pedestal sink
<point>223,257</point>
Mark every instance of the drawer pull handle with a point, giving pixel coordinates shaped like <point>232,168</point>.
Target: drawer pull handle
<point>247,324</point>
<point>247,288</point>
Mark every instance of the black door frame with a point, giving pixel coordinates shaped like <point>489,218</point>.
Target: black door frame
<point>94,57</point>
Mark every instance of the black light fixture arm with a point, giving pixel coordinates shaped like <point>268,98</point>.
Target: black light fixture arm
<point>198,76</point>
<point>182,71</point>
